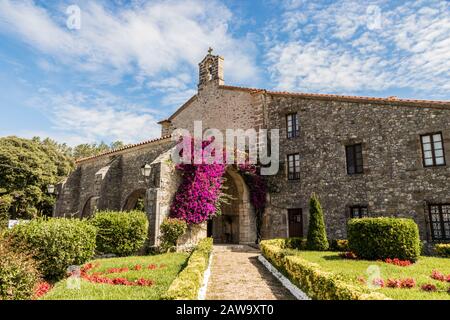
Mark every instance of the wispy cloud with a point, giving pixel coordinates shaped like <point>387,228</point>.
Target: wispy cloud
<point>352,47</point>
<point>151,38</point>
<point>99,116</point>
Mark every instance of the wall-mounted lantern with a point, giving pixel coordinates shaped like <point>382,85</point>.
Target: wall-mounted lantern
<point>146,170</point>
<point>51,189</point>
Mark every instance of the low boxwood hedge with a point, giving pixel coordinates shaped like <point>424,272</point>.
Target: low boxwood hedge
<point>56,243</point>
<point>382,238</point>
<point>308,276</point>
<point>188,282</point>
<point>442,249</point>
<point>288,243</point>
<point>120,233</point>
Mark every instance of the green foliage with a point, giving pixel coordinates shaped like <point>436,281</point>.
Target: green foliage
<point>317,234</point>
<point>5,204</point>
<point>309,277</point>
<point>381,238</point>
<point>92,149</point>
<point>340,245</point>
<point>18,273</point>
<point>171,229</point>
<point>288,243</point>
<point>188,282</point>
<point>55,243</point>
<point>443,249</point>
<point>27,167</point>
<point>121,233</point>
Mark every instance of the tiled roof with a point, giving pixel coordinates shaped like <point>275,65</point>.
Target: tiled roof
<point>337,97</point>
<point>130,146</point>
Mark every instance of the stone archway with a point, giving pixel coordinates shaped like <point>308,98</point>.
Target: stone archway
<point>90,206</point>
<point>237,222</point>
<point>135,201</point>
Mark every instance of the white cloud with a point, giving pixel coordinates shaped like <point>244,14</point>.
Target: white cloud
<point>347,48</point>
<point>151,38</point>
<point>99,116</point>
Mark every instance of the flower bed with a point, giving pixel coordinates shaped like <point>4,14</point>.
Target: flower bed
<point>143,277</point>
<point>326,271</point>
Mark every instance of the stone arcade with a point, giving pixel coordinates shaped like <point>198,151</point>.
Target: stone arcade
<point>363,156</point>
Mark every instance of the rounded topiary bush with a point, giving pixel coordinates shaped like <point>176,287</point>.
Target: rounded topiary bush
<point>382,238</point>
<point>18,273</point>
<point>56,243</point>
<point>120,233</point>
<point>171,229</point>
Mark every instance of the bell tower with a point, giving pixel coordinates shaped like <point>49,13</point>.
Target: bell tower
<point>210,70</point>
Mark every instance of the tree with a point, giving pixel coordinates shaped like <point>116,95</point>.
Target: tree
<point>92,149</point>
<point>317,234</point>
<point>27,167</point>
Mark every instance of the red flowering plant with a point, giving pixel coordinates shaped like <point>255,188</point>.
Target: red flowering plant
<point>41,289</point>
<point>98,277</point>
<point>401,283</point>
<point>398,262</point>
<point>428,287</point>
<point>436,275</point>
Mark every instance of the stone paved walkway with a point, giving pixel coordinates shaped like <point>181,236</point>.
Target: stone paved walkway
<point>236,274</point>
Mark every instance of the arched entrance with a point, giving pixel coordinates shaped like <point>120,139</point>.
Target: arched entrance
<point>236,224</point>
<point>89,207</point>
<point>135,201</point>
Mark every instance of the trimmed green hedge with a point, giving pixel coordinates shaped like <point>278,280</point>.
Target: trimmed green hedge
<point>119,232</point>
<point>56,243</point>
<point>288,243</point>
<point>382,238</point>
<point>443,249</point>
<point>188,282</point>
<point>308,276</point>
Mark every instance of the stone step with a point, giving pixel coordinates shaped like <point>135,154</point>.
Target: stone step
<point>235,248</point>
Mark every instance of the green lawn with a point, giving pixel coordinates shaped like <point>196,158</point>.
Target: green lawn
<point>162,277</point>
<point>350,270</point>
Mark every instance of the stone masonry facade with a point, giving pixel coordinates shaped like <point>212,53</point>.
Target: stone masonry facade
<point>394,181</point>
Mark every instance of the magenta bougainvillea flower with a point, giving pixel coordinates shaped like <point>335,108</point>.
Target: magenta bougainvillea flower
<point>196,198</point>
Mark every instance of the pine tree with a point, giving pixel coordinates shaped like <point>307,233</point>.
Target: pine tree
<point>317,234</point>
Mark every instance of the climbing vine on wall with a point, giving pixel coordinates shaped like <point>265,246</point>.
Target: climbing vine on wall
<point>258,193</point>
<point>200,189</point>
<point>200,193</point>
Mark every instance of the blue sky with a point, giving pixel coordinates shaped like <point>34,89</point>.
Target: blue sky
<point>132,63</point>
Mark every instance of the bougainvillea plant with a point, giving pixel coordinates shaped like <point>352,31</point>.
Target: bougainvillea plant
<point>200,193</point>
<point>200,188</point>
<point>258,190</point>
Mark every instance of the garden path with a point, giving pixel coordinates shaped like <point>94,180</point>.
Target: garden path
<point>236,274</point>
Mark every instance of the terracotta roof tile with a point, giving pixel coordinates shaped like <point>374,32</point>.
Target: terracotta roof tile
<point>130,146</point>
<point>342,97</point>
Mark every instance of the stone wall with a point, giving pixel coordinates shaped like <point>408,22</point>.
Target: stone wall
<point>394,182</point>
<point>220,108</point>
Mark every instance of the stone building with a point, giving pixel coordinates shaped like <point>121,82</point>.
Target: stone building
<point>363,156</point>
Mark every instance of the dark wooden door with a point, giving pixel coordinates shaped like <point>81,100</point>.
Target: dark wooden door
<point>295,222</point>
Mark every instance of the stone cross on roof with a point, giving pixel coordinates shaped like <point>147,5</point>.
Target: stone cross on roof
<point>210,50</point>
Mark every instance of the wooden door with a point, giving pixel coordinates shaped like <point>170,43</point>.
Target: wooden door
<point>295,223</point>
